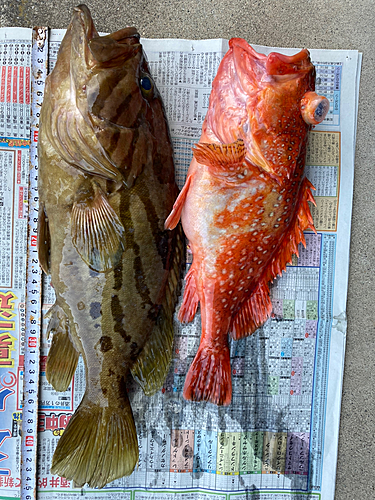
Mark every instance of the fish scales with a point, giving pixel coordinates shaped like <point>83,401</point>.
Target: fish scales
<point>106,185</point>
<point>244,205</point>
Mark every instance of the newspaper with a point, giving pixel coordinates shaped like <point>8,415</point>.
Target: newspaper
<point>278,438</point>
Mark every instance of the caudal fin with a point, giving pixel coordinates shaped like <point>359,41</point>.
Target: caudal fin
<point>209,377</point>
<point>98,446</point>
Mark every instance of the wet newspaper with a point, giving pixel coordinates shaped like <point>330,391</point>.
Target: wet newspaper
<point>278,439</point>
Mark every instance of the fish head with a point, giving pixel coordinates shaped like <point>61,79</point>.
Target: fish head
<point>101,93</point>
<point>106,71</point>
<point>267,101</point>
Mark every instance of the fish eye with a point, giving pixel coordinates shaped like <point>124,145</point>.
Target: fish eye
<point>146,84</point>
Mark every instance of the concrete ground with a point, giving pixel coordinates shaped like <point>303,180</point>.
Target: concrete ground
<point>327,24</point>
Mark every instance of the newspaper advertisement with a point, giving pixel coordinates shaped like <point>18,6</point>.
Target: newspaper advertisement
<point>278,438</point>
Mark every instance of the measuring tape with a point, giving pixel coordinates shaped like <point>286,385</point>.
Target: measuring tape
<point>39,60</point>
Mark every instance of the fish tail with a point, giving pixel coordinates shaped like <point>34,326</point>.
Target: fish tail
<point>98,446</point>
<point>209,376</point>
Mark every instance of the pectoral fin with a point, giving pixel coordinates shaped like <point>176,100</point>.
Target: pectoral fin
<point>224,160</point>
<point>97,232</point>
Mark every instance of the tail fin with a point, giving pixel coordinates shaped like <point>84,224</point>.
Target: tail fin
<point>98,445</point>
<point>209,376</point>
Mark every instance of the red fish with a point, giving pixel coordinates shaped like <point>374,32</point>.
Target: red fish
<point>244,205</point>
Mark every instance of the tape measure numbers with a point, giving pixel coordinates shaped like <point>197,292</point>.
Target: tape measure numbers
<point>39,60</point>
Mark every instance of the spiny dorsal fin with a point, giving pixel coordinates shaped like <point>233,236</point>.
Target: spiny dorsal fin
<point>97,232</point>
<point>257,309</point>
<point>294,236</point>
<point>62,356</point>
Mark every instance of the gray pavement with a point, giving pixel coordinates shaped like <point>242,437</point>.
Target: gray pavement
<point>340,24</point>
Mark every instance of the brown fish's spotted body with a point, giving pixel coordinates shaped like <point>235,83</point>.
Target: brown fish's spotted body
<point>244,205</point>
<point>106,185</point>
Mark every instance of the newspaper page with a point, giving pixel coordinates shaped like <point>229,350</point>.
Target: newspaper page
<point>15,61</point>
<point>278,438</point>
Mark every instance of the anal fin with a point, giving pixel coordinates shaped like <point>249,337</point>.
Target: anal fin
<point>62,356</point>
<point>191,300</point>
<point>97,232</point>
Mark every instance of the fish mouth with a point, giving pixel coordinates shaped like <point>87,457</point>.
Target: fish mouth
<point>103,50</point>
<point>274,66</point>
<point>82,18</point>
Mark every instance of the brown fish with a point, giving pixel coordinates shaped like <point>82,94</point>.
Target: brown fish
<point>244,205</point>
<point>106,185</point>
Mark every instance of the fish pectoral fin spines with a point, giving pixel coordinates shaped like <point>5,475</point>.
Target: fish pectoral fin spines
<point>62,357</point>
<point>224,160</point>
<point>97,233</point>
<point>209,376</point>
<point>98,446</point>
<point>253,314</point>
<point>44,240</point>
